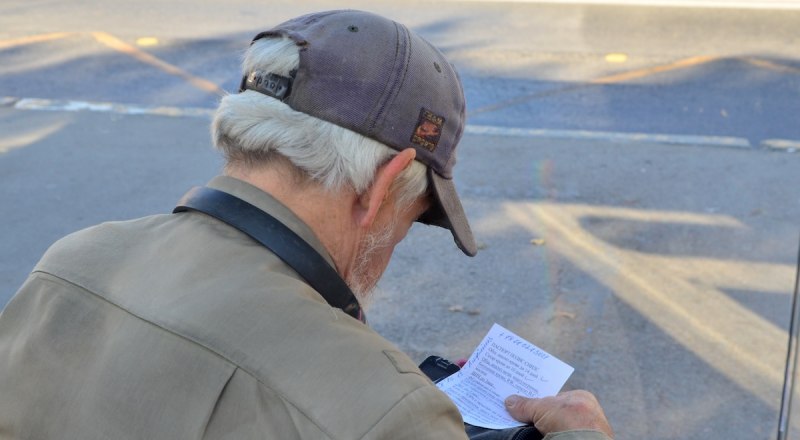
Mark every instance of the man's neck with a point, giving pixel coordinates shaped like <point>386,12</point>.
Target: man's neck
<point>327,213</point>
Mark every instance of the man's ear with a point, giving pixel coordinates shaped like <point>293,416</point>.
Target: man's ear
<point>378,192</point>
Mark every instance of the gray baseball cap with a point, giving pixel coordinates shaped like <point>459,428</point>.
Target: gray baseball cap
<point>373,76</point>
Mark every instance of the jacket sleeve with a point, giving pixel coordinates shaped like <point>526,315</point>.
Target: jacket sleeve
<point>531,433</point>
<point>580,434</point>
<point>425,413</point>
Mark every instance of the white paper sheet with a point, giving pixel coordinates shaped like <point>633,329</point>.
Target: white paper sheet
<point>503,364</point>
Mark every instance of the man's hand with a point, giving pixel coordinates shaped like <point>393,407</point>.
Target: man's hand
<point>569,410</point>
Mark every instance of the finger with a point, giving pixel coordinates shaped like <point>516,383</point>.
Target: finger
<point>521,409</point>
<point>567,411</point>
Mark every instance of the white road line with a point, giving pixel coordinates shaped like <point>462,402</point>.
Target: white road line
<point>107,107</point>
<point>782,144</point>
<point>719,141</point>
<point>785,145</point>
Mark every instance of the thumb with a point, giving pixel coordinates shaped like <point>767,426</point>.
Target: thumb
<point>521,408</point>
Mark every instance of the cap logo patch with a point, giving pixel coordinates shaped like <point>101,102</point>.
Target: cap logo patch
<point>428,131</point>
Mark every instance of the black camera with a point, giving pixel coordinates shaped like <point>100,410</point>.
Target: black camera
<point>437,368</point>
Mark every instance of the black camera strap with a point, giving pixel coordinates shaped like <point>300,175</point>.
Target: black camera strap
<point>278,238</point>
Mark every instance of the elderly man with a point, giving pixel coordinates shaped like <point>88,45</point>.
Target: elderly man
<point>240,315</point>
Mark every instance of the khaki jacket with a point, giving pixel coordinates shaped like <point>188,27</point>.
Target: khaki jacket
<point>178,326</point>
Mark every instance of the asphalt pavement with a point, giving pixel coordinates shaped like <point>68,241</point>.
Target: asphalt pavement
<point>630,173</point>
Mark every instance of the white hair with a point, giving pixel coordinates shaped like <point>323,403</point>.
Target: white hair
<point>361,280</point>
<point>252,129</point>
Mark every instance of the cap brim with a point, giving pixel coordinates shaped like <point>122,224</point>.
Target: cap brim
<point>448,213</point>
